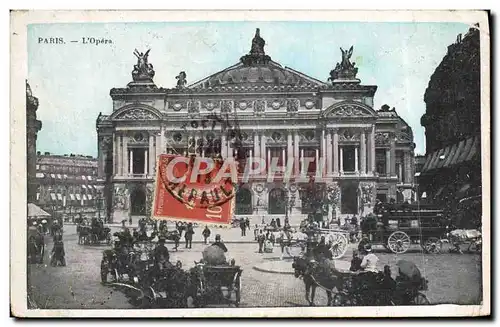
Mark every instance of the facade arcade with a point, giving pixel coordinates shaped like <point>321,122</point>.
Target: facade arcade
<point>281,115</point>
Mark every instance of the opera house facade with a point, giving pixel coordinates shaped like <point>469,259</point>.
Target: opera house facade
<point>259,109</point>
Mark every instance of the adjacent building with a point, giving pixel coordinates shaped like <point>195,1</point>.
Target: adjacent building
<point>33,126</point>
<point>279,113</point>
<point>68,187</point>
<point>452,121</point>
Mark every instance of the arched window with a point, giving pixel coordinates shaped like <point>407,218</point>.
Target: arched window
<point>243,202</point>
<point>138,202</point>
<point>277,202</point>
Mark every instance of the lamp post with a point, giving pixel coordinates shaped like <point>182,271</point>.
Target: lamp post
<point>99,199</point>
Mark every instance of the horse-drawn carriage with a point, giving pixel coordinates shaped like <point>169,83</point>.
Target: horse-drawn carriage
<point>398,226</point>
<point>36,245</point>
<point>360,288</point>
<point>93,234</point>
<point>216,284</point>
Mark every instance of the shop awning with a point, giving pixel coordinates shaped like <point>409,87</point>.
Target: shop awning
<point>53,196</point>
<point>72,197</point>
<point>89,196</point>
<point>59,196</point>
<point>53,175</point>
<point>38,196</point>
<point>78,197</point>
<point>457,153</point>
<point>89,178</point>
<point>35,211</point>
<point>84,197</point>
<point>39,175</point>
<point>59,176</point>
<point>84,186</point>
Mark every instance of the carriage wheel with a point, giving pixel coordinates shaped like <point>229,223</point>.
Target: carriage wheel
<point>399,242</point>
<point>431,245</point>
<point>420,299</point>
<point>339,244</point>
<point>237,290</point>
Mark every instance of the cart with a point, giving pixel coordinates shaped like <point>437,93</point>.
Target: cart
<point>398,226</point>
<point>217,285</point>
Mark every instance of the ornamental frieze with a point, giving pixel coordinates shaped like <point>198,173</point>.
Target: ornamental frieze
<point>227,106</point>
<point>382,138</point>
<point>177,105</point>
<point>136,114</point>
<point>244,104</point>
<point>309,104</point>
<point>348,135</point>
<point>276,104</point>
<point>292,105</point>
<point>259,107</point>
<point>193,107</point>
<point>210,105</point>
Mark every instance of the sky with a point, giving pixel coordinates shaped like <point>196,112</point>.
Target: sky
<point>72,80</point>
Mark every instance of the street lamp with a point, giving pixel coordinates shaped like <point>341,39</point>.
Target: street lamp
<point>99,199</point>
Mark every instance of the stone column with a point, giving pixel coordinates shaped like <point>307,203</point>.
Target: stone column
<point>335,151</point>
<point>124,145</point>
<point>302,168</point>
<point>256,147</point>
<point>283,157</point>
<point>356,164</point>
<point>407,166</point>
<point>328,153</point>
<point>296,153</point>
<point>115,154</point>
<point>372,150</point>
<point>158,148</point>
<point>388,162</point>
<point>146,162</point>
<point>131,163</point>
<point>263,147</point>
<point>268,160</point>
<point>341,159</point>
<point>393,157</point>
<point>363,152</point>
<point>289,147</point>
<point>317,159</point>
<point>151,158</point>
<point>322,144</point>
<point>223,146</point>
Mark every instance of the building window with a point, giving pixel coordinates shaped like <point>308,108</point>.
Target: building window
<point>400,171</point>
<point>311,154</point>
<point>380,161</point>
<point>139,160</point>
<point>243,202</point>
<point>348,158</point>
<point>277,204</point>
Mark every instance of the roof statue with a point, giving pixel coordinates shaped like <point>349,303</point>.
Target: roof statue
<point>143,71</point>
<point>345,70</point>
<point>181,80</point>
<point>257,55</point>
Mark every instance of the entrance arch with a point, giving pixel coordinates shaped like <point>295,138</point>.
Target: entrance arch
<point>277,205</point>
<point>244,202</point>
<point>138,202</point>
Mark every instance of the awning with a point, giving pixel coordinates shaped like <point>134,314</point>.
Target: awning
<point>89,196</point>
<point>39,175</point>
<point>53,196</point>
<point>53,175</point>
<point>38,196</point>
<point>89,178</point>
<point>457,153</point>
<point>65,176</point>
<point>59,196</point>
<point>36,211</point>
<point>84,186</point>
<point>72,197</point>
<point>59,176</point>
<point>83,177</point>
<point>78,197</point>
<point>84,197</point>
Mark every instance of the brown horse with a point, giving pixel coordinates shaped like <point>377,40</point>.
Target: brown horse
<point>315,275</point>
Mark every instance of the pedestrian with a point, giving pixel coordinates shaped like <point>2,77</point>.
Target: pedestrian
<point>273,223</point>
<point>247,222</point>
<point>206,234</point>
<point>261,238</point>
<point>130,220</point>
<point>218,242</point>
<point>278,222</point>
<point>356,261</point>
<point>188,235</point>
<point>243,227</point>
<point>58,253</point>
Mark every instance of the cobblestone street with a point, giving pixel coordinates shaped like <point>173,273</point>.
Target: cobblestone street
<point>453,278</point>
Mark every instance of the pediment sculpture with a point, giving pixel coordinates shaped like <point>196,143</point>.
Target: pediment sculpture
<point>349,110</point>
<point>136,114</point>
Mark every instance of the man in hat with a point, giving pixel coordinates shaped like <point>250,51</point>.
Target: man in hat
<point>188,236</point>
<point>356,261</point>
<point>218,242</point>
<point>370,260</point>
<point>161,254</point>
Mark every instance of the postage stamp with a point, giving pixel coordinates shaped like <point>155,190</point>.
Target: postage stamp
<point>250,163</point>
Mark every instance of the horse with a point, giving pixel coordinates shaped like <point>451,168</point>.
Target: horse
<point>353,231</point>
<point>315,275</point>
